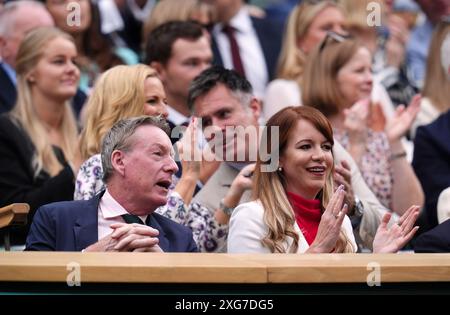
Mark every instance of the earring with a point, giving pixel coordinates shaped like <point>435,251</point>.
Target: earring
<point>280,169</point>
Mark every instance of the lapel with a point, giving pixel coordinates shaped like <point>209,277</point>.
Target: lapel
<point>270,41</point>
<point>152,221</point>
<point>86,225</point>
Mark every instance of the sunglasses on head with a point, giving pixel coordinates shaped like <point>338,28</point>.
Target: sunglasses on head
<point>333,37</point>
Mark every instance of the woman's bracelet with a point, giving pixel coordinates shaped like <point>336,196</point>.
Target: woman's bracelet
<point>395,156</point>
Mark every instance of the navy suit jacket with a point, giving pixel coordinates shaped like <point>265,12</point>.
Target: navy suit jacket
<point>8,93</point>
<point>73,226</point>
<point>436,240</point>
<point>431,162</point>
<point>269,34</point>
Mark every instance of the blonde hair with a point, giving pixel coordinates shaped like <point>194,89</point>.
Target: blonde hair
<point>292,58</point>
<point>118,94</point>
<point>437,83</point>
<point>24,113</point>
<point>172,10</point>
<point>270,187</point>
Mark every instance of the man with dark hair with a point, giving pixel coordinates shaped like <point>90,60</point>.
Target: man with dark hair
<point>179,51</point>
<point>225,103</point>
<point>138,165</point>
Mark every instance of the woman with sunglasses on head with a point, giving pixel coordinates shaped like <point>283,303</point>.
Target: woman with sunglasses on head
<point>337,80</point>
<point>295,208</point>
<point>307,26</point>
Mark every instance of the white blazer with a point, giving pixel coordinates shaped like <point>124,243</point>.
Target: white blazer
<point>247,229</point>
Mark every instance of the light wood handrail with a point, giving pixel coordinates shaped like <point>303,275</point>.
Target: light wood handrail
<point>222,268</point>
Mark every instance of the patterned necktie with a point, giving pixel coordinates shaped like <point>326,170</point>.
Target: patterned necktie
<point>235,55</point>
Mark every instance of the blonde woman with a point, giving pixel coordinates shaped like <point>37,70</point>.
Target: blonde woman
<point>129,91</point>
<point>436,90</point>
<point>307,26</point>
<point>296,209</point>
<point>38,137</point>
<point>386,42</point>
<point>120,93</point>
<point>338,81</point>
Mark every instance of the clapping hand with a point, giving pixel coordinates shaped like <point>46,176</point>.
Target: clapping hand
<point>399,125</point>
<point>391,240</point>
<point>330,224</point>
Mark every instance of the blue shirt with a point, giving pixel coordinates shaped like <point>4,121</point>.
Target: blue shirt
<point>417,52</point>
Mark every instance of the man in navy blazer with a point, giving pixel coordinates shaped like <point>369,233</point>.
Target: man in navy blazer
<point>137,159</point>
<point>431,162</point>
<point>436,240</point>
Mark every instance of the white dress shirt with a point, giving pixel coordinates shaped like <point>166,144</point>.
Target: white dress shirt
<point>250,50</point>
<point>176,117</point>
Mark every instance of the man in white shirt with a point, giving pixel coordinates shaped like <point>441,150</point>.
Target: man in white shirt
<point>258,42</point>
<point>138,164</point>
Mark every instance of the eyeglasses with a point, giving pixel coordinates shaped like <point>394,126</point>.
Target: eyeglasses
<point>333,36</point>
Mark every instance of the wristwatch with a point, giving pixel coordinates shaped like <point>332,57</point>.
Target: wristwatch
<point>358,208</point>
<point>225,209</point>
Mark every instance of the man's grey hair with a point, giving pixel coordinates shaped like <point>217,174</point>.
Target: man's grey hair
<point>8,14</point>
<point>120,137</point>
<point>210,78</point>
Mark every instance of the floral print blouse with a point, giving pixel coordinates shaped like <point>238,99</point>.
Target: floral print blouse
<point>374,165</point>
<point>209,235</point>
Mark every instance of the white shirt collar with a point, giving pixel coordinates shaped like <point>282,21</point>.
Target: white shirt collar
<point>110,208</point>
<point>176,117</point>
<point>241,22</point>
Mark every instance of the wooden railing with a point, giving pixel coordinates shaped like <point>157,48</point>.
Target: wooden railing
<point>222,268</point>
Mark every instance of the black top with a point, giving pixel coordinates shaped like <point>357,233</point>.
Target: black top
<point>17,180</point>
